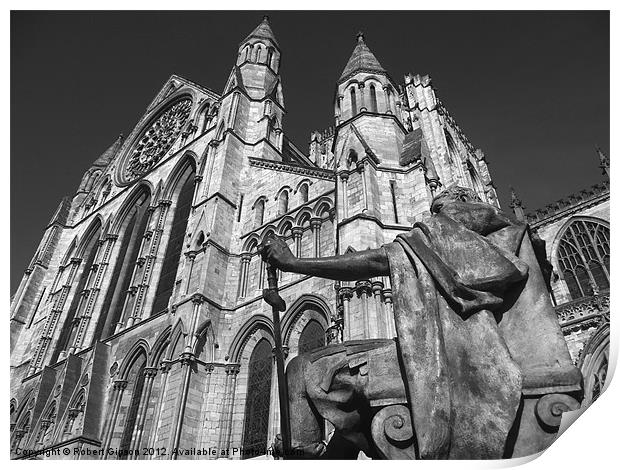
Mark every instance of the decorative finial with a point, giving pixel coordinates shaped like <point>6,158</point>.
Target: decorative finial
<point>514,199</point>
<point>266,18</point>
<point>516,205</point>
<point>360,37</point>
<point>603,161</point>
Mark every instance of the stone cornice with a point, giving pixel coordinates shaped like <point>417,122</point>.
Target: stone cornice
<point>292,168</point>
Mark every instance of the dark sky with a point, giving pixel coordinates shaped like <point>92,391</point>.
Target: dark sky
<point>530,89</point>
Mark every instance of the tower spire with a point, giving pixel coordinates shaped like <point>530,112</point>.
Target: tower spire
<point>362,60</point>
<point>603,161</point>
<point>263,31</point>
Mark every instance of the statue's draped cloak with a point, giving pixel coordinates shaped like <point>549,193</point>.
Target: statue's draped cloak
<point>448,275</point>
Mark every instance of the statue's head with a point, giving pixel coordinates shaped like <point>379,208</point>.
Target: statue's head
<point>452,194</point>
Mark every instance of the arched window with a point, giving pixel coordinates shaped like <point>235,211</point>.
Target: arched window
<point>132,232</point>
<point>205,117</point>
<point>259,50</point>
<point>70,325</point>
<point>353,102</point>
<point>283,202</point>
<point>303,192</point>
<point>135,384</point>
<point>175,242</point>
<point>583,257</point>
<point>270,57</point>
<point>256,426</point>
<point>373,98</point>
<point>312,337</point>
<point>259,212</point>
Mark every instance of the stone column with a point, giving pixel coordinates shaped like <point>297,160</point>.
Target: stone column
<point>52,319</point>
<point>363,290</point>
<point>389,313</point>
<point>165,368</point>
<point>361,167</point>
<point>362,86</point>
<point>346,294</point>
<point>380,320</point>
<point>191,256</point>
<point>316,223</point>
<point>243,274</point>
<point>388,104</point>
<point>232,370</point>
<point>344,177</point>
<point>117,394</point>
<point>149,376</point>
<point>297,234</point>
<point>146,260</point>
<point>187,361</point>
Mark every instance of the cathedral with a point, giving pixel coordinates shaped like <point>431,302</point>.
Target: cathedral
<point>139,330</point>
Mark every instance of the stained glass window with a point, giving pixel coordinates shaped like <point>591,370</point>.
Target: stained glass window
<point>583,257</point>
<point>312,337</point>
<point>260,370</point>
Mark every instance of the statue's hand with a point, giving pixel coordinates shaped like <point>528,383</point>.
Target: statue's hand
<point>277,253</point>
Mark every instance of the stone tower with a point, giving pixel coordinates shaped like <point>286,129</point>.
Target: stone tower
<point>393,148</point>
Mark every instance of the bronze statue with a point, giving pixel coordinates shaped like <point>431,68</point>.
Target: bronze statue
<point>479,368</point>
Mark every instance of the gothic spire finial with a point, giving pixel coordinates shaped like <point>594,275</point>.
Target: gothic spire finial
<point>360,36</point>
<point>603,161</point>
<point>515,201</point>
<point>516,205</point>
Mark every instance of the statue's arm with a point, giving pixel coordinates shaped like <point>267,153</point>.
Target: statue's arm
<point>347,267</point>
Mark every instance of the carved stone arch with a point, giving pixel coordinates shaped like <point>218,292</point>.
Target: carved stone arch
<point>296,310</point>
<point>287,223</point>
<point>286,188</point>
<point>257,322</point>
<point>94,227</point>
<point>201,112</point>
<point>204,343</point>
<point>250,244</point>
<point>259,47</point>
<point>322,206</point>
<point>200,227</point>
<point>159,189</point>
<point>143,187</point>
<point>350,83</point>
<point>177,335</point>
<point>269,230</point>
<point>140,347</point>
<point>70,251</point>
<point>160,347</point>
<point>306,181</point>
<point>562,230</point>
<point>553,252</point>
<point>259,198</point>
<point>177,174</point>
<point>92,179</point>
<point>76,402</point>
<point>303,217</point>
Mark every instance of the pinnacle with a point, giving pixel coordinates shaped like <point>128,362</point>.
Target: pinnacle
<point>362,59</point>
<point>263,31</point>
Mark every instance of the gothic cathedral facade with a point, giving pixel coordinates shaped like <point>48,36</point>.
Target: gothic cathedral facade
<point>139,325</point>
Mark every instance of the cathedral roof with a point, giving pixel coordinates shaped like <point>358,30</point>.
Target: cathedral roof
<point>362,60</point>
<point>106,157</point>
<point>263,31</point>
